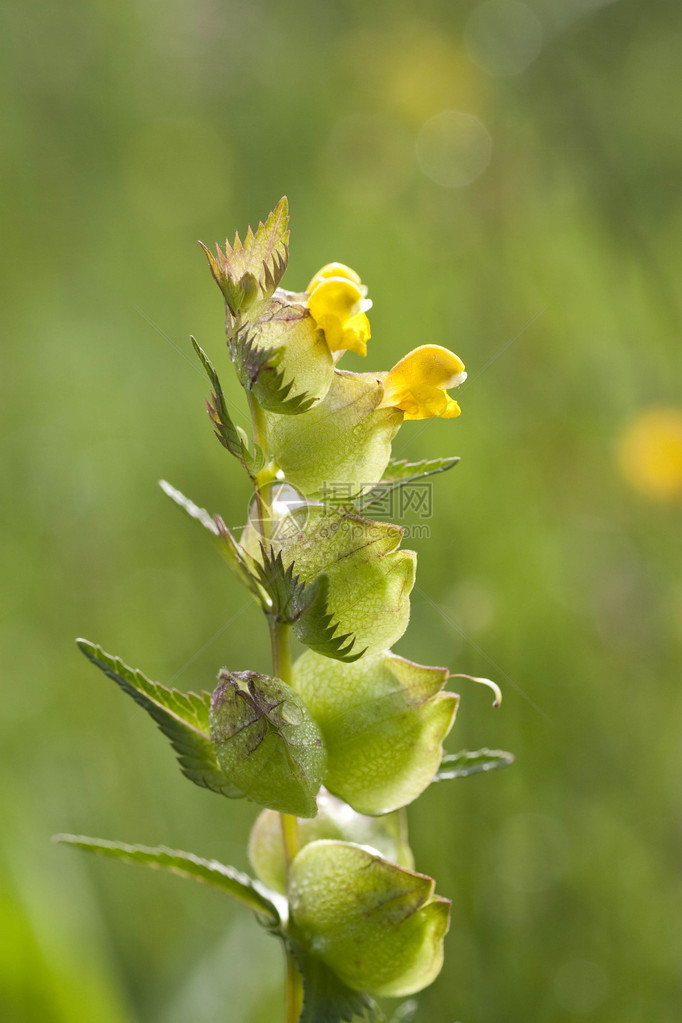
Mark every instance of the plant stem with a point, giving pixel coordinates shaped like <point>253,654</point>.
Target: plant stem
<point>281,663</point>
<point>281,666</point>
<point>281,655</point>
<point>294,991</point>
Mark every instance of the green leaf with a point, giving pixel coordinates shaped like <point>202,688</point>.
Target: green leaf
<point>369,579</point>
<point>225,430</point>
<point>267,741</point>
<point>182,717</point>
<point>231,881</point>
<point>461,765</point>
<point>260,370</point>
<point>326,999</point>
<point>304,607</point>
<point>378,926</point>
<point>383,720</point>
<point>256,266</point>
<point>222,538</point>
<point>342,445</point>
<point>400,473</point>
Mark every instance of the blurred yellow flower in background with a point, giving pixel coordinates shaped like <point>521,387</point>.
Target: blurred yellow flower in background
<point>338,303</point>
<point>650,453</point>
<point>418,384</point>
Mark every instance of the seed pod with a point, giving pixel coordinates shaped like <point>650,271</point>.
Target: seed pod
<point>267,742</point>
<point>378,926</point>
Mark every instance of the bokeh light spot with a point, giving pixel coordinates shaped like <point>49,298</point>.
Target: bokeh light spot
<point>453,148</point>
<point>503,37</point>
<point>650,453</point>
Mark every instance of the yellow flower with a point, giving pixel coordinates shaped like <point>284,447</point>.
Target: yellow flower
<point>338,304</point>
<point>418,384</point>
<point>650,453</point>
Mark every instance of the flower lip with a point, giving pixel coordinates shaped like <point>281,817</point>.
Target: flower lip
<point>418,384</point>
<point>338,302</point>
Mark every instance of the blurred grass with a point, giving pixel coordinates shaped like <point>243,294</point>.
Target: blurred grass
<point>131,130</point>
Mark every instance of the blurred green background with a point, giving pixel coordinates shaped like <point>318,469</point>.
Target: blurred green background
<point>504,176</point>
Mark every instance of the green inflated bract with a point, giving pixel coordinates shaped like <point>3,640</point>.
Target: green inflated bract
<point>267,742</point>
<point>369,579</point>
<point>336,820</point>
<point>342,446</point>
<point>300,371</point>
<point>380,927</point>
<point>383,719</point>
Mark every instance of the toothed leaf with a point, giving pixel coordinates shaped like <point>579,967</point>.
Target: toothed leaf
<point>461,765</point>
<point>304,607</point>
<point>254,267</point>
<point>229,880</point>
<point>225,430</point>
<point>398,474</point>
<point>259,370</point>
<point>182,717</point>
<point>326,999</point>
<point>369,579</point>
<point>222,538</point>
<point>283,358</point>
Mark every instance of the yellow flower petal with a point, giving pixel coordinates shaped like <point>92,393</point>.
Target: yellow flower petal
<point>356,334</point>
<point>334,296</point>
<point>338,305</point>
<point>418,383</point>
<point>333,270</point>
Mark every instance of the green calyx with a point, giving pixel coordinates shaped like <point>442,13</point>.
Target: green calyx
<point>369,579</point>
<point>383,719</point>
<point>379,926</point>
<point>342,445</point>
<point>335,820</point>
<point>267,742</point>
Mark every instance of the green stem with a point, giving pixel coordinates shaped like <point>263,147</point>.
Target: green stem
<point>259,436</point>
<point>281,654</point>
<point>294,991</point>
<point>281,661</point>
<point>281,666</point>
